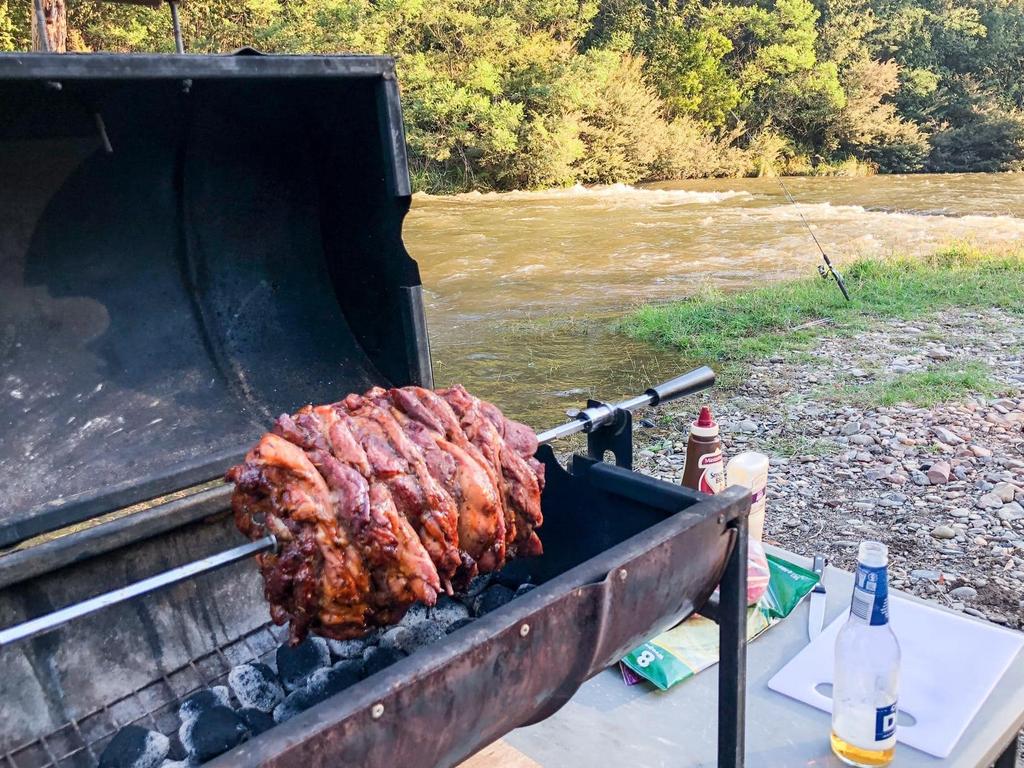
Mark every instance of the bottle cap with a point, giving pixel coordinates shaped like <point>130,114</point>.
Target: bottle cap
<point>705,425</point>
<point>873,554</point>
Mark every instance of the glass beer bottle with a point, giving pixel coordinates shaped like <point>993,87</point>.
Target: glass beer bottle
<point>865,683</point>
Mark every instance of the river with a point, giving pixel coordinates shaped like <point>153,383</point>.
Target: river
<point>521,286</point>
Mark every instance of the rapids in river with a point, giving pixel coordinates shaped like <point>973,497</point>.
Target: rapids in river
<point>521,286</point>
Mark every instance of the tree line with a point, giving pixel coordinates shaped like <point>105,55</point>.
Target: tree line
<point>502,94</point>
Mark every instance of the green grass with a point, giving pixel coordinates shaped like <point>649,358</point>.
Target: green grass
<point>797,445</point>
<point>729,329</point>
<point>939,384</point>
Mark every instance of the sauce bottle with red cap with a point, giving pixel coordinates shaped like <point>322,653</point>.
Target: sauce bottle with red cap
<point>704,470</point>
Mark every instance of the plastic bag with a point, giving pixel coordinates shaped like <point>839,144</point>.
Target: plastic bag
<point>692,646</point>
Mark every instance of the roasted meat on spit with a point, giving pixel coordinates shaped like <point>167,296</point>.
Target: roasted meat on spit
<point>384,499</point>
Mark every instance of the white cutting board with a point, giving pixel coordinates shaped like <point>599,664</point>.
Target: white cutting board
<point>949,665</point>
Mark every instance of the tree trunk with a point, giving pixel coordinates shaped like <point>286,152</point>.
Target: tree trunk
<point>56,14</point>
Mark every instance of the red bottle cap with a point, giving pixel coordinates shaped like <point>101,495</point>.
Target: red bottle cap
<point>705,419</point>
<point>705,425</point>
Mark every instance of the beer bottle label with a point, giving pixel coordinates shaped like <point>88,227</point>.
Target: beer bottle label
<point>871,594</point>
<point>885,722</point>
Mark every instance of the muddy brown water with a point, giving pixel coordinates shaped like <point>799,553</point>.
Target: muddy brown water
<point>521,287</point>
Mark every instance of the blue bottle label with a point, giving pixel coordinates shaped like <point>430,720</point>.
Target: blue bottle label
<point>871,594</point>
<point>885,722</point>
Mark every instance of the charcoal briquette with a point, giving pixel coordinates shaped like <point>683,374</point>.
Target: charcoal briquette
<point>256,721</point>
<point>491,599</point>
<point>294,703</point>
<point>255,686</point>
<point>214,732</point>
<point>135,747</point>
<point>296,663</point>
<point>424,633</point>
<point>478,585</point>
<point>447,611</point>
<point>202,700</point>
<point>376,659</point>
<point>349,649</point>
<point>399,638</point>
<point>416,613</point>
<point>459,624</point>
<point>326,682</point>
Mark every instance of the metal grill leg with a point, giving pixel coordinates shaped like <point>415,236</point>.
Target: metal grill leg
<point>732,665</point>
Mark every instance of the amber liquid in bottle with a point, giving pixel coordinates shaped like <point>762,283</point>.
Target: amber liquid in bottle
<point>867,758</point>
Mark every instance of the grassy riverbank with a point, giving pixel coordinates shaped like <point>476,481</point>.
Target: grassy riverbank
<point>730,329</point>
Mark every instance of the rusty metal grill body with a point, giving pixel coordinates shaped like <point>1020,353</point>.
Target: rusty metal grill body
<point>237,254</point>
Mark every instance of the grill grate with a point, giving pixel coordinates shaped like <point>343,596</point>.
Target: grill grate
<point>80,742</point>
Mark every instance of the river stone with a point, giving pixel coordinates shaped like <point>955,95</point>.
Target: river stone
<point>1010,512</point>
<point>964,593</point>
<point>920,574</point>
<point>980,451</point>
<point>920,478</point>
<point>990,501</point>
<point>1005,491</point>
<point>850,428</point>
<point>943,532</point>
<point>946,436</point>
<point>862,440</point>
<point>938,473</point>
<point>747,426</point>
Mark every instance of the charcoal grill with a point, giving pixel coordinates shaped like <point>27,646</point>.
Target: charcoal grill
<point>188,246</point>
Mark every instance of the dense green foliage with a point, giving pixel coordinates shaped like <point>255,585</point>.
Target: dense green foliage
<point>533,93</point>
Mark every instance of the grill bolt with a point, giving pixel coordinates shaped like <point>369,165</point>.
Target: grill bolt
<point>524,630</point>
<point>377,711</point>
<point>623,573</point>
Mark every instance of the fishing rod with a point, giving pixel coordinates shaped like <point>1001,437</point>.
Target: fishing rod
<point>828,269</point>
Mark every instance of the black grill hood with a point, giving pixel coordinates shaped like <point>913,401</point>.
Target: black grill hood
<point>189,246</point>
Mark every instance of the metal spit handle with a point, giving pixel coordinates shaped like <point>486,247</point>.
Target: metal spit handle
<point>589,419</point>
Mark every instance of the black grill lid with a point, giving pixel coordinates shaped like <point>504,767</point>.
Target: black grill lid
<point>236,254</point>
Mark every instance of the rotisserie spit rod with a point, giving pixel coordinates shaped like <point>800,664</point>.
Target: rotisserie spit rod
<point>185,572</point>
<point>591,418</point>
<point>587,420</point>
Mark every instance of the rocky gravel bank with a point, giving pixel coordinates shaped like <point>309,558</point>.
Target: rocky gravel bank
<point>942,486</point>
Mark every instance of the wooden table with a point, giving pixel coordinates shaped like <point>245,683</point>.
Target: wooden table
<point>610,724</point>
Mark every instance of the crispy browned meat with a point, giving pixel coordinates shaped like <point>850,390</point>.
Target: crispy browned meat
<point>506,443</point>
<point>382,500</point>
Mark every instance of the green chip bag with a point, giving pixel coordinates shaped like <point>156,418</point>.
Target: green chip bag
<point>692,646</point>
